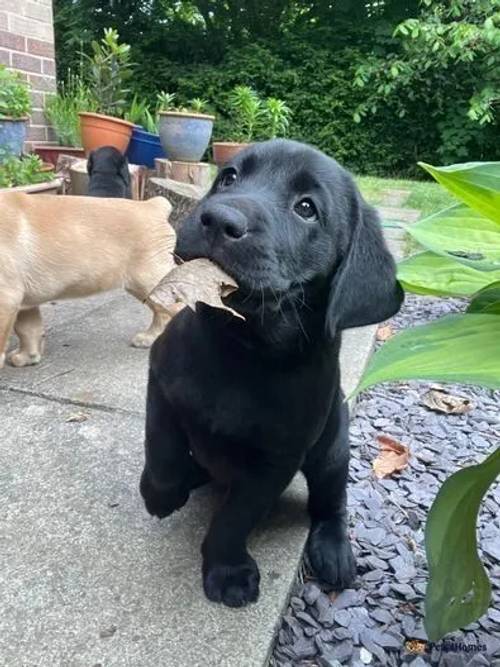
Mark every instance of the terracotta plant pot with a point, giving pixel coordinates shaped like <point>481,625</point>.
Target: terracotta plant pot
<point>225,150</point>
<point>185,136</point>
<point>52,153</point>
<point>98,130</point>
<point>48,188</point>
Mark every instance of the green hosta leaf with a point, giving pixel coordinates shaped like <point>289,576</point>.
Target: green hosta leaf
<point>486,300</point>
<point>466,235</point>
<point>459,591</point>
<point>458,348</point>
<point>475,183</point>
<point>428,273</point>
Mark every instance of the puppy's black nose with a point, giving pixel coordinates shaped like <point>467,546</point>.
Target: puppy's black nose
<point>225,221</point>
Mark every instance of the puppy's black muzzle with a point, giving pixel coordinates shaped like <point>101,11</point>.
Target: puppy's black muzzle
<point>222,223</point>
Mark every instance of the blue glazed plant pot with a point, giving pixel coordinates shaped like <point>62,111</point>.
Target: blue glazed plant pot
<point>144,147</point>
<point>185,136</point>
<point>12,136</point>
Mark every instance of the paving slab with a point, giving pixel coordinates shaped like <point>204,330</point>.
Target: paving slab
<point>88,578</point>
<point>88,358</point>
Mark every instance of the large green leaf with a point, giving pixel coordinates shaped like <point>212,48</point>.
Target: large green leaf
<point>458,348</point>
<point>428,273</point>
<point>486,300</point>
<point>458,591</point>
<point>475,183</point>
<point>460,233</point>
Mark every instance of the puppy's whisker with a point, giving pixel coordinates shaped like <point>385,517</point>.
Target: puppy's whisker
<point>297,316</point>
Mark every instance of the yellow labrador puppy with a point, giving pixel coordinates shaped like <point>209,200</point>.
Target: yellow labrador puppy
<point>61,247</point>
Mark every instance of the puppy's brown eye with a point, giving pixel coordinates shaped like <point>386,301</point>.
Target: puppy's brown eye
<point>306,209</point>
<point>228,177</point>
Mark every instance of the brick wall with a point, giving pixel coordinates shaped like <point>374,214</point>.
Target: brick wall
<point>27,45</point>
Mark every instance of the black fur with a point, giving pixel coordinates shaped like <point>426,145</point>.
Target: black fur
<point>251,403</point>
<point>108,173</point>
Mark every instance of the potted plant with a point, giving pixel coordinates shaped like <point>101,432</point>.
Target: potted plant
<point>184,132</point>
<point>15,107</point>
<point>145,145</point>
<point>253,119</point>
<point>28,174</point>
<point>62,111</point>
<point>275,119</point>
<point>245,108</point>
<point>108,71</point>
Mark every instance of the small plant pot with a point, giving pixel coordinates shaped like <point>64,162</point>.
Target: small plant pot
<point>48,188</point>
<point>12,136</point>
<point>185,136</point>
<point>144,148</point>
<point>51,153</point>
<point>98,130</point>
<point>225,150</point>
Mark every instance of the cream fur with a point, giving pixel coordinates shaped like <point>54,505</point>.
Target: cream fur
<point>54,247</point>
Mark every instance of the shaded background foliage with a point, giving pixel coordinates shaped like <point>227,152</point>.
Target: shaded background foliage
<point>309,54</point>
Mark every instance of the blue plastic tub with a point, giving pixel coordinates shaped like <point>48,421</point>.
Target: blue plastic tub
<point>12,136</point>
<point>144,147</point>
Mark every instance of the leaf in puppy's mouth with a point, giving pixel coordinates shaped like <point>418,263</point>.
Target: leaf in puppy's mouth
<point>197,280</point>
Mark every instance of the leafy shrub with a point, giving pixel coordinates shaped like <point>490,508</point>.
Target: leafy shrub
<point>62,109</point>
<point>462,258</point>
<point>108,73</point>
<point>26,170</point>
<point>15,101</point>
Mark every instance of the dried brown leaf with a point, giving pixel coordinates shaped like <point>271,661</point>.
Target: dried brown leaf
<point>197,280</point>
<point>393,457</point>
<point>385,332</point>
<point>440,400</point>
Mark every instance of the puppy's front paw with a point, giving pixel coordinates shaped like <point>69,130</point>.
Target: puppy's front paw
<point>233,585</point>
<point>162,502</point>
<point>330,555</point>
<point>19,358</point>
<point>143,339</point>
<point>2,360</point>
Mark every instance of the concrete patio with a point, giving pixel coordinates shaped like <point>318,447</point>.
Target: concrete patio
<point>88,577</point>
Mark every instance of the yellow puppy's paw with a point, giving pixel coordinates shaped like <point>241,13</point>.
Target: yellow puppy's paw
<point>143,339</point>
<point>2,360</point>
<point>19,358</point>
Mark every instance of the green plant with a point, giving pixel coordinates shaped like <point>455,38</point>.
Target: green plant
<point>165,101</point>
<point>137,110</point>
<point>15,101</point>
<point>246,109</point>
<point>108,72</point>
<point>62,109</point>
<point>198,105</point>
<point>26,170</point>
<point>462,258</point>
<point>276,118</point>
<point>451,46</point>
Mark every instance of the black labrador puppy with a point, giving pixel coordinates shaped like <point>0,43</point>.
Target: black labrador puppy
<point>108,173</point>
<point>249,403</point>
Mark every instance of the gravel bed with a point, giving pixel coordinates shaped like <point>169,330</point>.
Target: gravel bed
<point>370,624</point>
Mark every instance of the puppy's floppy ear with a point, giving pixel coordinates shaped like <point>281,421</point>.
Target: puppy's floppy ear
<point>364,288</point>
<point>90,163</point>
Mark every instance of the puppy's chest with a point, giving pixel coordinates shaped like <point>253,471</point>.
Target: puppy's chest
<point>249,409</point>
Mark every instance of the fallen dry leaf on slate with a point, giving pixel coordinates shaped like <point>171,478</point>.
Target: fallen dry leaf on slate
<point>393,457</point>
<point>440,400</point>
<point>197,280</point>
<point>385,332</point>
